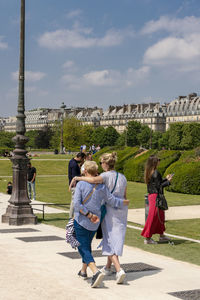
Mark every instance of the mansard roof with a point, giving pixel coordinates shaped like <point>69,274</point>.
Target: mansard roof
<point>184,104</point>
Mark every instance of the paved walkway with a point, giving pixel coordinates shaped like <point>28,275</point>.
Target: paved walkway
<point>173,213</point>
<point>36,270</point>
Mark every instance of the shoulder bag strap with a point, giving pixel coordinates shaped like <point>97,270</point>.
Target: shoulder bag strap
<point>115,183</point>
<point>90,194</point>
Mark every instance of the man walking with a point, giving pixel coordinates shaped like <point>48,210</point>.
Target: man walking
<point>31,176</point>
<point>74,170</point>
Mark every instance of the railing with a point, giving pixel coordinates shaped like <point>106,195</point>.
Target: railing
<point>48,204</point>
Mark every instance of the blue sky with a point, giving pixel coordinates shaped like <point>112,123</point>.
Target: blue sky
<point>100,52</point>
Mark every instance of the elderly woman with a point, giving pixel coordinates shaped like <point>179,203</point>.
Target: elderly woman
<point>87,218</point>
<point>115,221</point>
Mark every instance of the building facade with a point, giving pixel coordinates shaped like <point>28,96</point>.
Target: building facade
<point>157,116</point>
<point>183,109</point>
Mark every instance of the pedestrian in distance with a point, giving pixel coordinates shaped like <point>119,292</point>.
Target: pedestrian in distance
<point>31,177</point>
<point>87,218</point>
<point>9,188</point>
<point>88,157</point>
<point>115,220</point>
<point>156,217</point>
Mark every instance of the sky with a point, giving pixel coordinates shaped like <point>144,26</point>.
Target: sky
<point>99,52</point>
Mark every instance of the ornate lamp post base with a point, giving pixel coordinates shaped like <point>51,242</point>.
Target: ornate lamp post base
<point>19,211</point>
<point>19,215</point>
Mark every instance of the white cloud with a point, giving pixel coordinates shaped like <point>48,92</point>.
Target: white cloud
<point>69,64</point>
<point>182,46</point>
<point>29,75</point>
<point>82,38</point>
<point>107,78</point>
<point>171,49</point>
<point>74,13</point>
<point>175,26</point>
<point>102,78</point>
<point>3,45</point>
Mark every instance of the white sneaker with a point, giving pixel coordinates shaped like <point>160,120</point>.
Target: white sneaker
<point>149,241</point>
<point>106,271</point>
<point>120,276</point>
<point>164,238</point>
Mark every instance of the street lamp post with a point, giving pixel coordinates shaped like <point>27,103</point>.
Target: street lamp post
<point>62,108</point>
<point>126,122</point>
<point>150,143</point>
<point>19,211</point>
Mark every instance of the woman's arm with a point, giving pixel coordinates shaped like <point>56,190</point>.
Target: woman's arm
<point>113,200</point>
<point>96,179</point>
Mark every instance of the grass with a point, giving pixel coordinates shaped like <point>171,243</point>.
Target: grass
<point>43,167</point>
<point>54,189</point>
<point>181,250</point>
<point>52,156</point>
<point>136,192</point>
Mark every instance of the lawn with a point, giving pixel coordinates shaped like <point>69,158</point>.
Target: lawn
<point>181,250</point>
<point>54,188</point>
<point>44,167</point>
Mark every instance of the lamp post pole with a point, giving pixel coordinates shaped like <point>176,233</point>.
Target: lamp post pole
<point>19,211</point>
<point>62,108</point>
<point>150,146</point>
<point>126,122</point>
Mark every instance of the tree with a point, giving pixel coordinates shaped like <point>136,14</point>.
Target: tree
<point>111,136</point>
<point>144,136</point>
<point>72,133</point>
<point>43,137</point>
<point>6,139</point>
<point>134,128</point>
<point>156,136</point>
<point>98,136</point>
<point>121,139</point>
<point>55,138</point>
<point>175,136</point>
<point>190,136</point>
<point>31,135</point>
<point>87,132</point>
<point>163,141</point>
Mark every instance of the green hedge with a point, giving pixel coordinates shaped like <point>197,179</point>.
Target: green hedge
<point>186,179</point>
<point>167,157</point>
<point>134,167</point>
<point>123,155</point>
<point>187,173</point>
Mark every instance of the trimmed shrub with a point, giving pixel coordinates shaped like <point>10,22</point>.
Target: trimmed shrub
<point>167,158</point>
<point>187,173</point>
<point>124,155</point>
<point>186,179</point>
<point>134,167</point>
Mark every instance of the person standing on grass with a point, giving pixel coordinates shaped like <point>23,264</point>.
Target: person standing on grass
<point>31,176</point>
<point>87,218</point>
<point>115,220</point>
<point>74,170</point>
<point>156,217</point>
<point>88,157</point>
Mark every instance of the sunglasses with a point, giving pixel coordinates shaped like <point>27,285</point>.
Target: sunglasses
<point>101,162</point>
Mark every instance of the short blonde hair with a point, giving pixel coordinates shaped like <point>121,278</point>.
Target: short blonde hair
<point>91,167</point>
<point>109,158</point>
